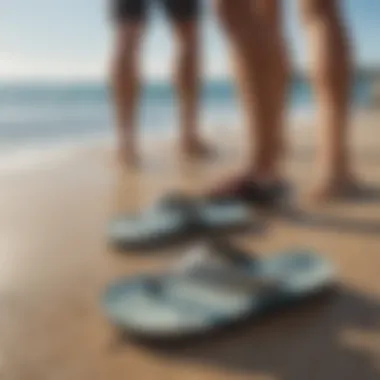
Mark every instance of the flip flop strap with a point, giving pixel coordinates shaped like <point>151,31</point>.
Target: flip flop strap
<point>224,248</point>
<point>232,279</point>
<point>187,206</point>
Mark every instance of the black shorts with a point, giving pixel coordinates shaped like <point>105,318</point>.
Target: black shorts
<point>137,10</point>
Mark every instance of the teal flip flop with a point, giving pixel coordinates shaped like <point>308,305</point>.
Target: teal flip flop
<point>212,287</point>
<point>177,218</point>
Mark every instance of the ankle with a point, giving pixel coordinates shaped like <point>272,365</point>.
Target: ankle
<point>334,173</point>
<point>265,175</point>
<point>190,142</point>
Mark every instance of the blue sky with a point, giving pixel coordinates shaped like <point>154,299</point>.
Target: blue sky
<point>70,39</point>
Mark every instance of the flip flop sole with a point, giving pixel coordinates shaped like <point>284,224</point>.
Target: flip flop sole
<point>144,309</point>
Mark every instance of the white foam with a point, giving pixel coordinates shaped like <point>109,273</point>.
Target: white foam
<point>16,158</point>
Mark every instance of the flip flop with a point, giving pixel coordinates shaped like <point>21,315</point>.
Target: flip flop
<point>213,287</point>
<point>176,218</point>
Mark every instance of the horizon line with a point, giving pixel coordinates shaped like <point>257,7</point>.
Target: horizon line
<point>373,70</point>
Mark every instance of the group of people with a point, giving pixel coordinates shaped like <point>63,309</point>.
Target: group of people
<point>254,32</point>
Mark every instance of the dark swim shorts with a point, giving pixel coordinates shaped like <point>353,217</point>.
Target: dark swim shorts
<point>137,10</point>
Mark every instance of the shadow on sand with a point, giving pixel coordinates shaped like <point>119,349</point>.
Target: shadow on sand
<point>308,342</point>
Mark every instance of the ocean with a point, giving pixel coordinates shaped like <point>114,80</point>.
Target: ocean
<point>32,114</point>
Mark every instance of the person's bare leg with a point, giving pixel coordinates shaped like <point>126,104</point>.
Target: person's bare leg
<point>126,85</point>
<point>253,57</point>
<point>331,74</point>
<point>272,13</point>
<point>187,79</point>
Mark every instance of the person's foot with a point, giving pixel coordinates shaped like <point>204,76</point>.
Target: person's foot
<point>197,149</point>
<point>336,188</point>
<point>250,190</point>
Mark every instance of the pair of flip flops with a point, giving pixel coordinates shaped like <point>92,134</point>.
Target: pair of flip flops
<point>214,285</point>
<point>176,218</point>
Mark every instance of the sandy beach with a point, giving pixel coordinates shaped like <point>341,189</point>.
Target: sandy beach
<point>55,264</point>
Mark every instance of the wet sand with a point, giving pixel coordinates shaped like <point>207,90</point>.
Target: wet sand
<point>55,263</point>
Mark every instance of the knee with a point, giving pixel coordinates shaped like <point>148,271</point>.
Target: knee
<point>228,12</point>
<point>271,10</point>
<point>127,42</point>
<point>312,10</point>
<point>222,8</point>
<point>187,40</point>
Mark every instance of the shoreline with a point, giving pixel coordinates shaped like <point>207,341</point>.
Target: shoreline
<point>29,155</point>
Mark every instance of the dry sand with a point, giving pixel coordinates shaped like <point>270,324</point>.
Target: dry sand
<point>55,264</point>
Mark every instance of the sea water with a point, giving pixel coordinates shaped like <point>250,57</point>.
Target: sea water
<point>68,112</point>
